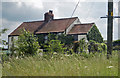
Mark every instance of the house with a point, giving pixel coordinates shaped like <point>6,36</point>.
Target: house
<point>70,26</point>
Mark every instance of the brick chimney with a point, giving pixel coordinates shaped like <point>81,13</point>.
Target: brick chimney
<point>48,16</point>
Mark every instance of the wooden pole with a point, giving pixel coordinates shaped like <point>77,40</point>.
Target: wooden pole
<point>110,28</point>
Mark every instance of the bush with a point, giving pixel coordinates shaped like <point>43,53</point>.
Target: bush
<point>82,45</point>
<point>27,43</point>
<point>55,46</point>
<point>117,42</point>
<point>96,47</point>
<point>117,47</point>
<point>5,57</point>
<point>76,47</point>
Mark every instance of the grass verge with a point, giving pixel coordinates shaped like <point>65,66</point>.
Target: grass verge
<point>63,65</point>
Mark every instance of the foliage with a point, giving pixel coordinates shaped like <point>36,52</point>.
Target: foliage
<point>116,42</point>
<point>117,47</point>
<point>27,43</point>
<point>95,35</point>
<point>104,46</point>
<point>40,38</point>
<point>3,41</point>
<point>66,39</point>
<point>55,46</point>
<point>82,45</point>
<point>96,47</point>
<point>55,43</point>
<point>76,47</point>
<point>52,36</point>
<point>3,31</point>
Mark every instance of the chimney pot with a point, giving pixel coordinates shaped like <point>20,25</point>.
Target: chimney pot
<point>48,16</point>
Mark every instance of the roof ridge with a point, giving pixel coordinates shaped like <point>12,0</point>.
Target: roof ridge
<point>65,18</point>
<point>33,21</point>
<point>53,20</point>
<point>84,24</point>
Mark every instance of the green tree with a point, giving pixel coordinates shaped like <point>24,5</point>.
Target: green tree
<point>55,46</point>
<point>52,36</point>
<point>95,35</point>
<point>27,43</point>
<point>2,32</point>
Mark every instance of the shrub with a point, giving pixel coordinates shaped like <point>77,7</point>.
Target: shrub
<point>52,36</point>
<point>82,45</point>
<point>96,47</point>
<point>27,43</point>
<point>76,47</point>
<point>55,46</point>
<point>117,42</point>
<point>117,47</point>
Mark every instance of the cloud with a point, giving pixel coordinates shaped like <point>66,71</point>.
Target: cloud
<point>18,11</point>
<point>58,0</point>
<point>10,25</point>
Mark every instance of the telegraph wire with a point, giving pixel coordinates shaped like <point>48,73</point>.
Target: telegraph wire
<point>75,8</point>
<point>72,13</point>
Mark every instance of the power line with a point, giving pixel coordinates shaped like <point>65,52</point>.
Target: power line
<point>75,8</point>
<point>72,14</point>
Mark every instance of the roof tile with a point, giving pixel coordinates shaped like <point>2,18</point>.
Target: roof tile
<point>81,28</point>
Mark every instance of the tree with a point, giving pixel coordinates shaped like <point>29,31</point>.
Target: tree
<point>27,43</point>
<point>55,46</point>
<point>2,32</point>
<point>95,35</point>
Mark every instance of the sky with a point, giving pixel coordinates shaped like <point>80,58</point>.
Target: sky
<point>15,12</point>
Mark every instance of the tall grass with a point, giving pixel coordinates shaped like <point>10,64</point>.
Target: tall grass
<point>63,65</point>
<point>0,69</point>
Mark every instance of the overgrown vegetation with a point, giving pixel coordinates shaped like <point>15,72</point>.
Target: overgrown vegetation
<point>27,44</point>
<point>62,58</point>
<point>116,45</point>
<point>95,35</point>
<point>55,46</point>
<point>97,47</point>
<point>3,42</point>
<point>63,65</point>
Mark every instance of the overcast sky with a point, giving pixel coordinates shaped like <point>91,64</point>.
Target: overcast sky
<point>14,12</point>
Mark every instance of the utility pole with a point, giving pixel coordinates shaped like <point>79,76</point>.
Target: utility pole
<point>110,27</point>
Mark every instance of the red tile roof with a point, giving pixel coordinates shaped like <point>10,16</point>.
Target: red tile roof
<point>81,28</point>
<point>55,25</point>
<point>30,26</point>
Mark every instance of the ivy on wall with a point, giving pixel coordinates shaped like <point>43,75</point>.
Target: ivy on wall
<point>95,35</point>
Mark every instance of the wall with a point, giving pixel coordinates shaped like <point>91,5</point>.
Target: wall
<point>72,25</point>
<point>75,37</point>
<point>82,36</point>
<point>11,41</point>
